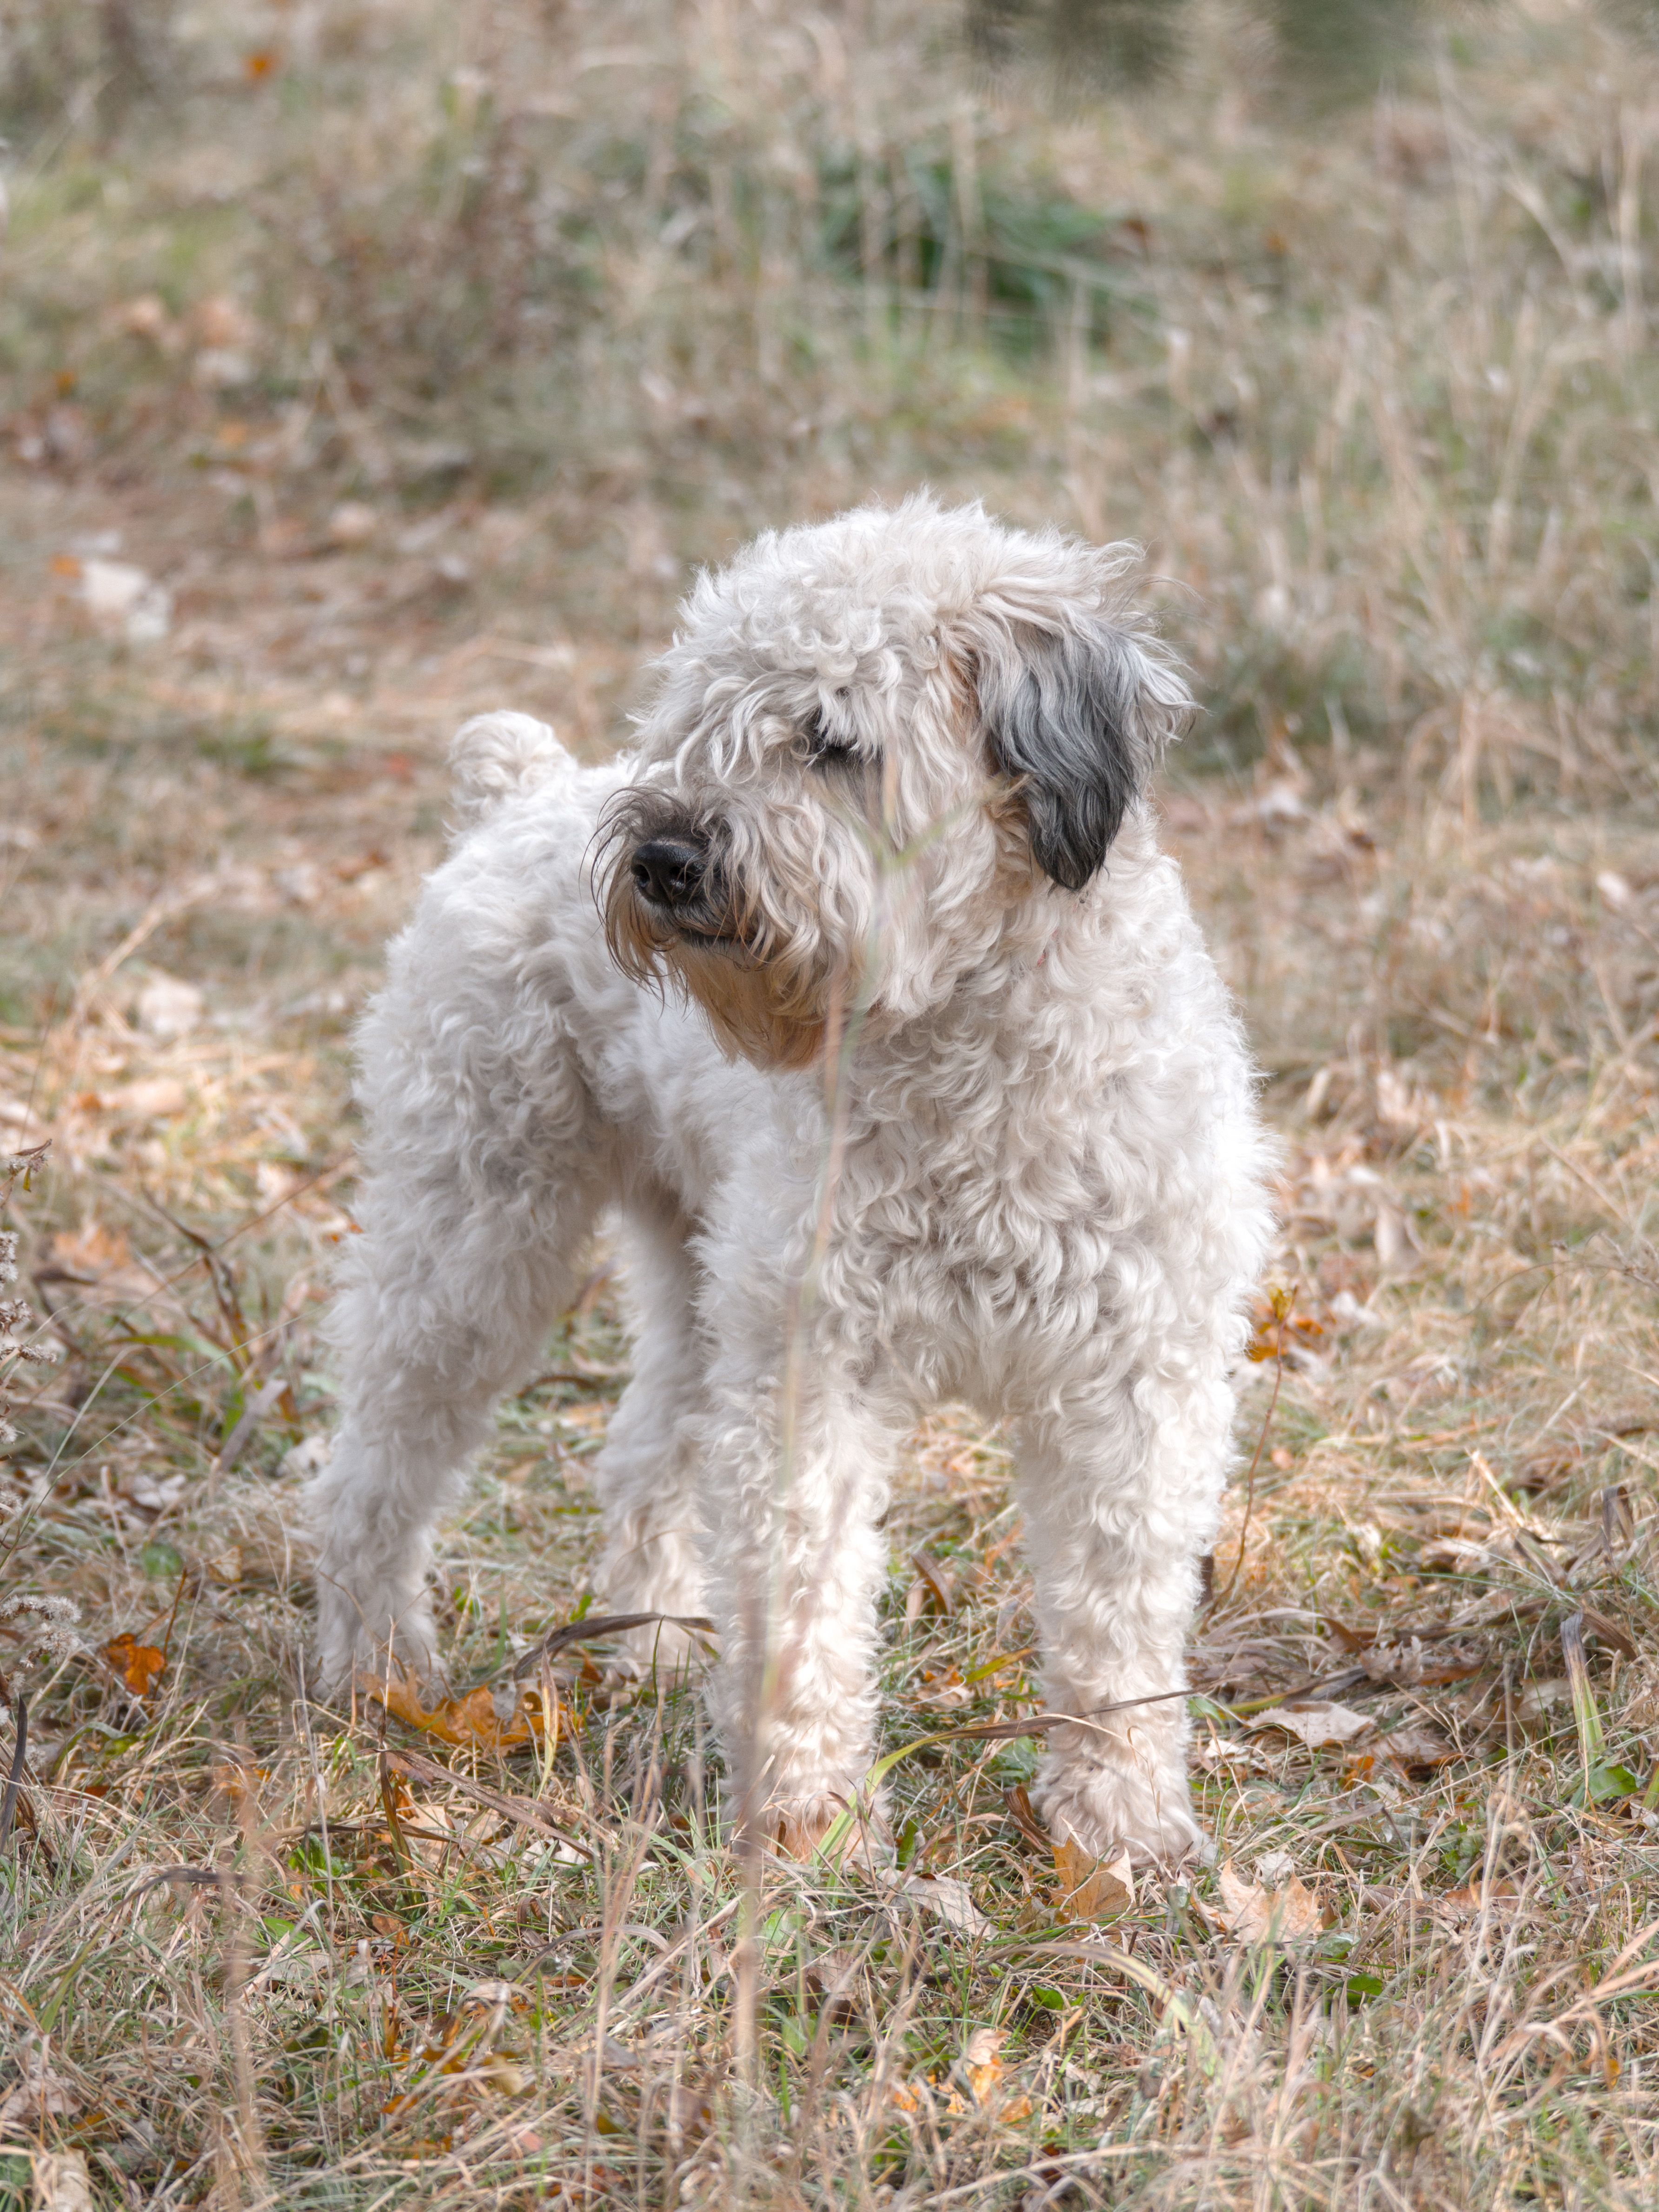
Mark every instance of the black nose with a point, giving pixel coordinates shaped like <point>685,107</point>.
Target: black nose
<point>669,872</point>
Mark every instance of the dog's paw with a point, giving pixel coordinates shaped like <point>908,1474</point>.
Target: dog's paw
<point>1110,1809</point>
<point>370,1634</point>
<point>794,1828</point>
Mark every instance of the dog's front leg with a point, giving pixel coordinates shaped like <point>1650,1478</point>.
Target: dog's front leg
<point>795,1481</point>
<point>646,1476</point>
<point>1120,1503</point>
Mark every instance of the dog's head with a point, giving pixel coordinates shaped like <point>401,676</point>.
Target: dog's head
<point>874,738</point>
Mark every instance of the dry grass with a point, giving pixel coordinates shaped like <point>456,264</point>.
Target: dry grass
<point>419,400</point>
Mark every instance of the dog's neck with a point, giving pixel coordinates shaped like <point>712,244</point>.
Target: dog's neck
<point>1055,947</point>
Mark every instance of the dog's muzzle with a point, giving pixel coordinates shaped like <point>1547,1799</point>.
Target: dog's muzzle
<point>678,879</point>
<point>671,873</point>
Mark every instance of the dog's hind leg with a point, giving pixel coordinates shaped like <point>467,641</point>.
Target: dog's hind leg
<point>647,1476</point>
<point>483,1179</point>
<point>447,1305</point>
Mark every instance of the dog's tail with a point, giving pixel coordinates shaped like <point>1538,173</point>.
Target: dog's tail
<point>495,755</point>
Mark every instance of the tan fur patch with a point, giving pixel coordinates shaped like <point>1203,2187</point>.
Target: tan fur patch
<point>750,1018</point>
<point>768,1009</point>
<point>798,1835</point>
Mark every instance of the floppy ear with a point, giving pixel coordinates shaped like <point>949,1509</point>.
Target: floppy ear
<point>1078,717</point>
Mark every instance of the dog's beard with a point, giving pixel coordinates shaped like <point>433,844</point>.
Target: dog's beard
<point>771,993</point>
<point>757,1009</point>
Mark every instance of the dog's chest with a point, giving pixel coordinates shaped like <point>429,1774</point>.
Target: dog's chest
<point>955,1227</point>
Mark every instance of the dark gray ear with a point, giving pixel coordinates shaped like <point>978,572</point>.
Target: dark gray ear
<point>1078,716</point>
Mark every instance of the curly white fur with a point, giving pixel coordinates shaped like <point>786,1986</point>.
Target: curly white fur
<point>890,1114</point>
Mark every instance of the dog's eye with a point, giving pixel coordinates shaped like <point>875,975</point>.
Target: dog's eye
<point>824,747</point>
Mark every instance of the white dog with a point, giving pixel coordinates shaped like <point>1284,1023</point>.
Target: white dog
<point>861,990</point>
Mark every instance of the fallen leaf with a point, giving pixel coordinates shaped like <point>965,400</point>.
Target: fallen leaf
<point>1258,1916</point>
<point>1477,1896</point>
<point>944,1691</point>
<point>168,1007</point>
<point>101,1260</point>
<point>157,1098</point>
<point>1609,1632</point>
<point>240,1784</point>
<point>833,1978</point>
<point>113,587</point>
<point>118,592</point>
<point>1023,1814</point>
<point>1417,1745</point>
<point>1316,1725</point>
<point>493,1991</point>
<point>980,2066</point>
<point>295,1964</point>
<point>468,1721</point>
<point>688,2115</point>
<point>941,1895</point>
<point>939,1581</point>
<point>39,2095</point>
<point>137,1664</point>
<point>1539,1701</point>
<point>61,2182</point>
<point>154,1493</point>
<point>432,1822</point>
<point>1218,1750</point>
<point>410,1765</point>
<point>1091,1888</point>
